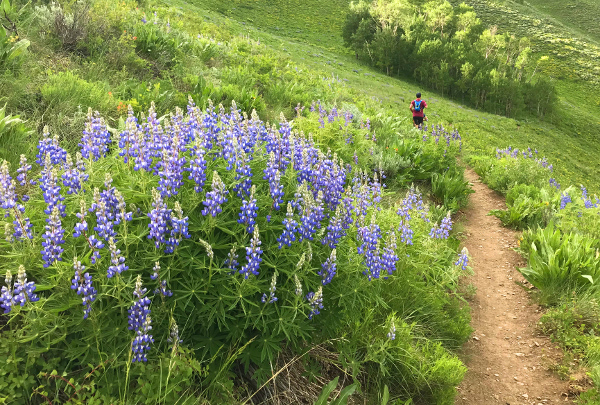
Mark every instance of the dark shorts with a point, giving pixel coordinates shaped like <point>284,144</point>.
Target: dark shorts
<point>418,120</point>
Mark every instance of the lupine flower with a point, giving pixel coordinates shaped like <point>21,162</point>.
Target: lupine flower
<point>389,256</point>
<point>315,301</point>
<point>6,296</point>
<point>172,167</point>
<point>564,200</point>
<point>370,235</point>
<point>163,290</point>
<point>197,167</point>
<point>249,212</point>
<point>22,227</point>
<point>117,261</point>
<point>179,228</point>
<point>82,282</point>
<point>443,231</point>
<point>253,253</point>
<point>208,247</point>
<point>297,286</point>
<point>159,217</point>
<point>95,245</point>
<point>23,290</point>
<point>174,335</point>
<point>49,146</point>
<point>554,183</point>
<point>53,239</point>
<point>22,171</point>
<point>121,215</point>
<point>51,192</point>
<point>95,140</point>
<point>392,333</point>
<point>463,259</point>
<point>328,269</point>
<point>291,227</point>
<point>216,197</point>
<point>231,261</point>
<point>140,322</point>
<point>271,298</point>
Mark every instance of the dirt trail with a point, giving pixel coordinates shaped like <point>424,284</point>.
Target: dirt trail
<point>507,358</point>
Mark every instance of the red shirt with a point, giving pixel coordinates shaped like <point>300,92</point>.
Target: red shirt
<point>418,113</point>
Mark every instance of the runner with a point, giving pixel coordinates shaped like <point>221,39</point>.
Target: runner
<point>416,107</point>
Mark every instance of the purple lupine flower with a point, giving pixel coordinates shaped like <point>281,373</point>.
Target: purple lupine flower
<point>335,229</point>
<point>81,227</point>
<point>22,171</point>
<point>369,236</point>
<point>128,142</point>
<point>389,258</point>
<point>23,290</point>
<point>73,177</point>
<point>82,282</point>
<point>392,333</point>
<point>216,197</point>
<point>315,301</point>
<point>249,212</point>
<point>96,138</point>
<point>274,177</point>
<point>554,183</point>
<point>139,321</point>
<point>159,218</point>
<point>443,230</point>
<point>95,244</point>
<point>355,158</point>
<point>179,228</point>
<point>163,290</point>
<point>6,294</point>
<point>564,200</point>
<point>144,21</point>
<point>271,298</point>
<point>172,168</point>
<point>8,201</point>
<point>463,259</point>
<point>117,261</point>
<point>328,269</point>
<point>50,146</point>
<point>406,232</point>
<point>197,167</point>
<point>231,261</point>
<point>51,192</point>
<point>121,215</point>
<point>104,224</point>
<point>253,253</point>
<point>291,227</point>
<point>53,239</point>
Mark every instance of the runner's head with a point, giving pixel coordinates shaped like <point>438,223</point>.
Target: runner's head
<point>418,95</point>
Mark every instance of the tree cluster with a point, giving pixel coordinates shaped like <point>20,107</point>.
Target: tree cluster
<point>447,49</point>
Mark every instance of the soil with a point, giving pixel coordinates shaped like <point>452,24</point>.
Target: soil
<point>508,359</point>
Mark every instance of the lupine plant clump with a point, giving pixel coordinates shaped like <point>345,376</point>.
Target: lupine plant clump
<point>216,213</point>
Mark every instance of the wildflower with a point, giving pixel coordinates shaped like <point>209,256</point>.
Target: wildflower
<point>139,321</point>
<point>121,215</point>
<point>197,168</point>
<point>463,259</point>
<point>51,192</point>
<point>81,227</point>
<point>117,261</point>
<point>392,333</point>
<point>231,261</point>
<point>22,171</point>
<point>50,146</point>
<point>6,296</point>
<point>21,292</point>
<point>328,269</point>
<point>249,212</point>
<point>216,197</point>
<point>564,200</point>
<point>208,247</point>
<point>442,232</point>
<point>95,139</point>
<point>53,239</point>
<point>174,335</point>
<point>288,235</point>
<point>253,253</point>
<point>84,287</point>
<point>370,235</point>
<point>159,216</point>
<point>389,257</point>
<point>179,228</point>
<point>297,285</point>
<point>95,245</point>
<point>554,183</point>
<point>271,298</point>
<point>315,301</point>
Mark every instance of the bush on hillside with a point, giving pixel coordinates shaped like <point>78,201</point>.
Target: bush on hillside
<point>207,239</point>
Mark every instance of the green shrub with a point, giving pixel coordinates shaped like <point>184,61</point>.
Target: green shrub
<point>528,207</point>
<point>12,50</point>
<point>560,263</point>
<point>15,137</point>
<point>502,174</point>
<point>451,188</point>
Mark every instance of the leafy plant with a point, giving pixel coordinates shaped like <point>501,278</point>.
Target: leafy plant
<point>528,207</point>
<point>451,189</point>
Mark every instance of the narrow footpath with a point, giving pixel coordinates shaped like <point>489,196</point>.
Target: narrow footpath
<point>508,359</point>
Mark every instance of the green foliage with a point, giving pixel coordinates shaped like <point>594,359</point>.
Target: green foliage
<point>451,189</point>
<point>12,49</point>
<point>15,137</point>
<point>560,263</point>
<point>503,174</point>
<point>528,207</point>
<point>446,49</point>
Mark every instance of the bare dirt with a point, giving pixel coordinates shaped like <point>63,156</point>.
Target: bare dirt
<point>508,360</point>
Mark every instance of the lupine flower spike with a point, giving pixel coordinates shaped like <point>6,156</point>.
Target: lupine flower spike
<point>271,298</point>
<point>140,322</point>
<point>82,282</point>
